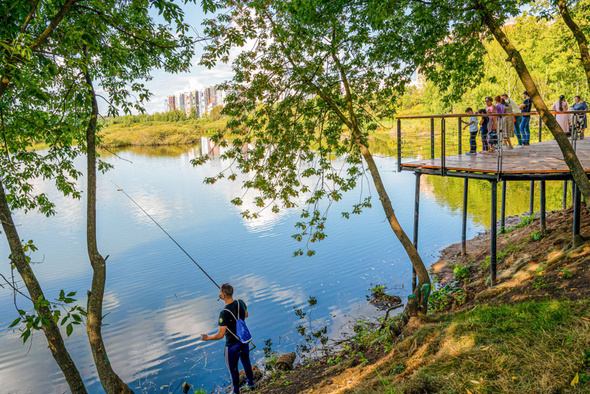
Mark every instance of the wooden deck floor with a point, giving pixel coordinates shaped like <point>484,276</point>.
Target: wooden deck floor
<point>537,158</point>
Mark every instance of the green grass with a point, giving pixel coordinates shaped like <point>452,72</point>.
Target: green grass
<point>531,347</point>
<point>158,133</point>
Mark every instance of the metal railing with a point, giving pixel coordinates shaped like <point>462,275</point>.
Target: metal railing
<point>416,142</point>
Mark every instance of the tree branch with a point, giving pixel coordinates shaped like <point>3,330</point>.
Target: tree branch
<point>53,24</point>
<point>30,16</point>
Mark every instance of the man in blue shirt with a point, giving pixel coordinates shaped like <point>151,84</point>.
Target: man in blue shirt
<point>580,106</point>
<point>235,350</point>
<point>525,130</point>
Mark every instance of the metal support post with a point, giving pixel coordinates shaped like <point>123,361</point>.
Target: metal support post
<point>542,207</point>
<point>432,138</point>
<point>464,223</point>
<point>459,134</point>
<point>503,208</point>
<point>416,221</point>
<point>532,199</point>
<point>576,211</point>
<point>399,145</point>
<point>540,128</point>
<point>493,232</point>
<point>443,146</point>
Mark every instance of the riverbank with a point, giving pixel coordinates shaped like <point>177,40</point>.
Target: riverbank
<point>528,334</point>
<point>152,133</point>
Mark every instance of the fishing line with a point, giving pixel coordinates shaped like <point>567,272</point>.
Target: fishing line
<point>166,232</point>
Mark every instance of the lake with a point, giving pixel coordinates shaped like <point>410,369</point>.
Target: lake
<point>157,302</point>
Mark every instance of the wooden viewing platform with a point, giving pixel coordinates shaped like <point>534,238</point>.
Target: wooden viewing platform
<point>538,160</point>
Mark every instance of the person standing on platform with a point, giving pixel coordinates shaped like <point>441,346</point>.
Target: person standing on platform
<point>563,119</point>
<point>483,127</point>
<point>505,124</point>
<point>513,109</point>
<point>580,106</point>
<point>472,131</point>
<point>525,130</point>
<point>492,124</point>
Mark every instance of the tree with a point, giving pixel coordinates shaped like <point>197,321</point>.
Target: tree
<point>552,59</point>
<point>468,22</point>
<point>48,94</point>
<point>153,47</point>
<point>579,36</point>
<point>31,104</point>
<point>312,87</point>
<point>578,174</point>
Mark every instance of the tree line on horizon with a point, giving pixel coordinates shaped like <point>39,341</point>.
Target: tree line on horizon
<point>173,116</point>
<point>546,44</point>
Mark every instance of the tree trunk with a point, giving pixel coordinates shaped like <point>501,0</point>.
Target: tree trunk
<point>579,35</point>
<point>418,301</point>
<point>517,62</point>
<point>108,378</point>
<point>418,304</point>
<point>51,330</point>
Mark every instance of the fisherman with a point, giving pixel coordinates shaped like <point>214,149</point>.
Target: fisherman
<point>234,349</point>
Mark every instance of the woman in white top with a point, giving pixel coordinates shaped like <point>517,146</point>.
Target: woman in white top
<point>562,119</point>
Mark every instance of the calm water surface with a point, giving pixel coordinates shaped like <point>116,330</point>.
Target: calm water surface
<point>158,302</point>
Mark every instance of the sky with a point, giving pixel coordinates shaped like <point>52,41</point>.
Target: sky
<point>165,84</point>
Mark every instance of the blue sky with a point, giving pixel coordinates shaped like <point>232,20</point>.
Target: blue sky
<point>165,84</point>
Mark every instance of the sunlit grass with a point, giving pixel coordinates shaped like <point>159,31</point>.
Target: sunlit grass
<point>532,347</point>
<point>158,133</point>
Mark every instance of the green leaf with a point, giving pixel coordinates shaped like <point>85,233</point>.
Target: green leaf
<point>25,335</point>
<point>15,322</point>
<point>69,329</point>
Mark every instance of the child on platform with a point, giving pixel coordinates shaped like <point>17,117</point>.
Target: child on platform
<point>472,131</point>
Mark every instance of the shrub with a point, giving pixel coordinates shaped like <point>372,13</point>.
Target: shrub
<point>462,272</point>
<point>535,236</point>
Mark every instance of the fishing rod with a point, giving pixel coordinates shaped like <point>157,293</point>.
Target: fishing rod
<point>166,232</point>
<point>173,240</point>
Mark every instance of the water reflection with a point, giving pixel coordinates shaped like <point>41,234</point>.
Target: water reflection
<point>147,151</point>
<point>158,303</point>
<point>448,192</point>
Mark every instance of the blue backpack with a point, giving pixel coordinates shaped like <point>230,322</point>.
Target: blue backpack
<point>242,333</point>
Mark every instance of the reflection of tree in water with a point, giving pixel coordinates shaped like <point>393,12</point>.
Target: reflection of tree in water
<point>416,143</point>
<point>448,192</point>
<point>152,151</point>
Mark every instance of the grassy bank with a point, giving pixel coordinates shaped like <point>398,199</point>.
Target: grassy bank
<point>530,347</point>
<point>528,334</point>
<point>158,133</point>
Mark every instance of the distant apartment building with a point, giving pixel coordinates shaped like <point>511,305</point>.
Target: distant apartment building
<point>199,101</point>
<point>419,80</point>
<point>193,103</point>
<point>170,103</point>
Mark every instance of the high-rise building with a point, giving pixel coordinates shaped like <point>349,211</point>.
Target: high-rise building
<point>220,97</point>
<point>171,103</point>
<point>201,101</point>
<point>202,105</point>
